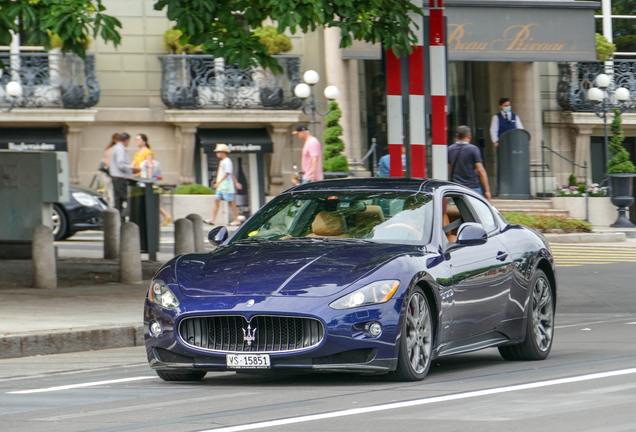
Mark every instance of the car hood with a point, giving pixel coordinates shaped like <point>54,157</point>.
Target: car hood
<point>314,270</point>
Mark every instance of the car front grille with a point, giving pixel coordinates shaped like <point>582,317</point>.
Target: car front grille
<point>270,333</point>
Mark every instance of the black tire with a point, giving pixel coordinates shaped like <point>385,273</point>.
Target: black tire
<point>60,223</point>
<point>422,331</point>
<point>181,376</point>
<point>540,323</point>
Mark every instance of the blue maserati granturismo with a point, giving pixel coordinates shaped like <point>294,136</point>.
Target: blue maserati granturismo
<point>355,275</point>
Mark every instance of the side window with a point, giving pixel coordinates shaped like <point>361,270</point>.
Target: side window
<point>484,214</point>
<point>455,213</point>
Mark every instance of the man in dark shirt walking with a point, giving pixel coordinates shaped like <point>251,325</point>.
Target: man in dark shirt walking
<point>465,165</point>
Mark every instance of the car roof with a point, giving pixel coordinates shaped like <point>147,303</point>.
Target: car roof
<point>385,183</point>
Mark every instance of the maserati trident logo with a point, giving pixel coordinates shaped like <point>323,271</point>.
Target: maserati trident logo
<point>249,335</point>
<point>250,303</point>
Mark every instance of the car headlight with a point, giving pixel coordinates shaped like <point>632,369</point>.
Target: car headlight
<point>86,199</point>
<point>160,294</point>
<point>374,293</point>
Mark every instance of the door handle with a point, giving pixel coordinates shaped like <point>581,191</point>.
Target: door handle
<point>501,256</point>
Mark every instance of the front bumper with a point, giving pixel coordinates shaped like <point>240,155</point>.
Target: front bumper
<point>345,347</point>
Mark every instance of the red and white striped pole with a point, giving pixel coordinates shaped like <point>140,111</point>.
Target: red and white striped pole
<point>394,113</point>
<point>437,72</point>
<point>416,99</point>
<point>417,122</point>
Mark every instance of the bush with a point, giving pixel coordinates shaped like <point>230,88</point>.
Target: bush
<point>620,161</point>
<point>544,223</point>
<point>193,189</point>
<point>332,159</point>
<point>604,49</point>
<point>275,42</point>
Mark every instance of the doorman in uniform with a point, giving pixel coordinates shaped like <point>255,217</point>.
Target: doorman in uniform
<point>501,122</point>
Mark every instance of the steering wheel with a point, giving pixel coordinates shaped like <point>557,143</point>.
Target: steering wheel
<point>407,227</point>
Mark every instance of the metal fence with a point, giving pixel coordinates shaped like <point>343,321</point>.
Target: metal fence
<point>203,81</point>
<point>575,79</point>
<point>50,80</point>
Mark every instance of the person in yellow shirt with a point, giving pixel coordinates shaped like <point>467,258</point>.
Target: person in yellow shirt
<point>144,150</point>
<point>144,154</point>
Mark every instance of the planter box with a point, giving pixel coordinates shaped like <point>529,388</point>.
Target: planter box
<point>602,211</point>
<point>183,205</point>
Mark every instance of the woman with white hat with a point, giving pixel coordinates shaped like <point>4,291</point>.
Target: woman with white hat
<point>225,184</point>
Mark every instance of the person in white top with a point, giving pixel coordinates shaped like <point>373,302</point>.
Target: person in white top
<point>225,185</point>
<point>501,122</point>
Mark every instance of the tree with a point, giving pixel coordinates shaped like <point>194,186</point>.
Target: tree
<point>72,21</point>
<point>225,27</point>
<point>332,159</point>
<point>619,162</point>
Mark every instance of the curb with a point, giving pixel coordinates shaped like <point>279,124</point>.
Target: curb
<point>67,341</point>
<point>608,237</point>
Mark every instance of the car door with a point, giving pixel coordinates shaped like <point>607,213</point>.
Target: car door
<point>481,276</point>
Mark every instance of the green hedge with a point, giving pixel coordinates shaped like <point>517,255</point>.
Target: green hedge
<point>193,189</point>
<point>544,223</point>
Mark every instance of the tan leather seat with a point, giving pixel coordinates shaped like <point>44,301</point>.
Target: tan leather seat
<point>366,220</point>
<point>328,224</point>
<point>449,235</point>
<point>452,214</point>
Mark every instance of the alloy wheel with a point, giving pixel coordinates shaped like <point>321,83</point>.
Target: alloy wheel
<point>56,222</point>
<point>418,333</point>
<point>542,314</point>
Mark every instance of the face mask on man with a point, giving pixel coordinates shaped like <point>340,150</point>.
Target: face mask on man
<point>507,109</point>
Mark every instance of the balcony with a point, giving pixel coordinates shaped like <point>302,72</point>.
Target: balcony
<point>575,79</point>
<point>190,82</point>
<point>50,80</point>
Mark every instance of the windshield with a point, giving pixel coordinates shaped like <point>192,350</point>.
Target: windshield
<point>395,217</point>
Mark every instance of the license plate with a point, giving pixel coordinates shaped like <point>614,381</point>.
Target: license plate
<point>248,361</point>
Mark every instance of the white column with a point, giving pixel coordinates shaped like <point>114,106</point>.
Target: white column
<point>526,102</point>
<point>74,143</point>
<point>337,75</point>
<point>279,176</point>
<point>185,138</point>
<point>582,153</point>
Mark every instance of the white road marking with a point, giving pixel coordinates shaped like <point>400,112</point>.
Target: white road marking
<point>88,384</point>
<point>425,401</point>
<point>593,322</point>
<point>139,407</point>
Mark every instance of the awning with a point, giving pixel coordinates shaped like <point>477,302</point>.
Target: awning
<point>51,139</point>
<point>239,140</point>
<point>511,30</point>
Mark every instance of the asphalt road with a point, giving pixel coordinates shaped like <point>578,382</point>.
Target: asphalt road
<point>587,384</point>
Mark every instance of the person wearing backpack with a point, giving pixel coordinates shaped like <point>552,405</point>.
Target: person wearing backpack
<point>465,165</point>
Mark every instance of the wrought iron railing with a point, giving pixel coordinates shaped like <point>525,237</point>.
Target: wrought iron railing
<point>575,79</point>
<point>203,81</point>
<point>50,80</point>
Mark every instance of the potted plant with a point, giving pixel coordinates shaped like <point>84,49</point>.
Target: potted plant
<point>334,164</point>
<point>271,93</point>
<point>571,197</point>
<point>621,172</point>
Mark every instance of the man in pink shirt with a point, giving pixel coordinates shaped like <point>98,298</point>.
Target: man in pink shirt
<point>311,163</point>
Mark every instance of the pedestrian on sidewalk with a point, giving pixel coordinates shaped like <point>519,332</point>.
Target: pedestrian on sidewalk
<point>226,185</point>
<point>501,122</point>
<point>104,169</point>
<point>121,170</point>
<point>384,165</point>
<point>465,165</point>
<point>311,162</point>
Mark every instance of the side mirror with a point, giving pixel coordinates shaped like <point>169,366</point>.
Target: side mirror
<point>471,234</point>
<point>218,235</point>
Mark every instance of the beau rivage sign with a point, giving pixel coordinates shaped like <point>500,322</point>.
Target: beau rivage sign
<point>511,30</point>
<point>521,31</point>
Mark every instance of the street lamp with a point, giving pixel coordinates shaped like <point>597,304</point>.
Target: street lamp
<point>305,90</point>
<point>13,90</point>
<point>606,98</point>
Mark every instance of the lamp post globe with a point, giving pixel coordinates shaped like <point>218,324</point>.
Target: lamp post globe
<point>14,89</point>
<point>332,92</point>
<point>302,91</point>
<point>311,77</point>
<point>595,94</point>
<point>622,94</point>
<point>602,80</point>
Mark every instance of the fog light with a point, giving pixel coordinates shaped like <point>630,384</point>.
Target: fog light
<point>155,329</point>
<point>374,329</point>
